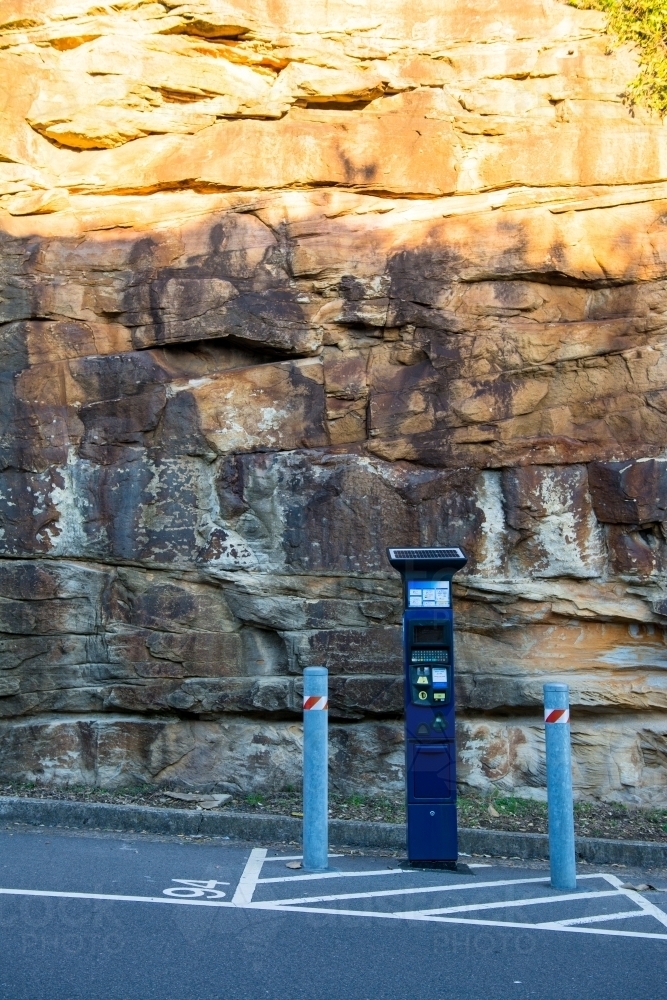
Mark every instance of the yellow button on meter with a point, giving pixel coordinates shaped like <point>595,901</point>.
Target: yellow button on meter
<point>423,695</point>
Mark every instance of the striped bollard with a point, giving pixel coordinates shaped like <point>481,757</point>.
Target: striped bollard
<point>559,786</point>
<point>315,770</point>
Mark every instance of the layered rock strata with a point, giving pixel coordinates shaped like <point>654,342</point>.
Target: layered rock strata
<point>280,287</point>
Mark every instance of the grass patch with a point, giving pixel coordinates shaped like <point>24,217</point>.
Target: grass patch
<point>254,800</point>
<point>376,808</point>
<point>643,22</point>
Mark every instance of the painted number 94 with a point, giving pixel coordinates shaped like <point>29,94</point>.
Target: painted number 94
<point>189,888</point>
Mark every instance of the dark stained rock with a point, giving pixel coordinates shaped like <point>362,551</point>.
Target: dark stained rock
<point>629,492</point>
<point>350,651</point>
<point>638,551</point>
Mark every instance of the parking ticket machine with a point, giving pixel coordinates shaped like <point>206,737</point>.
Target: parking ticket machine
<point>428,659</point>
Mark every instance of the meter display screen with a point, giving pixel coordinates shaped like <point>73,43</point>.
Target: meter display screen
<point>428,593</point>
<point>428,633</point>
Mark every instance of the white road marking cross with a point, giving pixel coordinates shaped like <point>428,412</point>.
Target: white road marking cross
<point>467,913</point>
<point>406,892</point>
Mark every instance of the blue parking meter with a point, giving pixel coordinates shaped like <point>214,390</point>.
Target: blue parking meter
<point>430,742</point>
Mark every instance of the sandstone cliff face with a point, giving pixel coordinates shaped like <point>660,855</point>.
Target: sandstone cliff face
<point>282,285</point>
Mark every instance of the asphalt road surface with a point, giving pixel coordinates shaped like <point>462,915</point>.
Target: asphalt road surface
<point>112,916</point>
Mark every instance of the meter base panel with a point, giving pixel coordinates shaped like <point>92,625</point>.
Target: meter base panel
<point>428,866</point>
<point>431,801</point>
<point>432,833</point>
<point>431,771</point>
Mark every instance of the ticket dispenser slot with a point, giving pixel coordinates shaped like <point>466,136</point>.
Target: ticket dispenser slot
<point>429,664</point>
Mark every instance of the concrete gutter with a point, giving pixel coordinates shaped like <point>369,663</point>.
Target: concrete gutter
<point>271,829</point>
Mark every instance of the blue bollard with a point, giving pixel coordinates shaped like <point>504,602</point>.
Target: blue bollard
<point>315,770</point>
<point>559,786</point>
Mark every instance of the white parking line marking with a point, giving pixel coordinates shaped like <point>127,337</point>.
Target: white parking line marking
<point>446,914</point>
<point>407,892</point>
<point>458,887</point>
<point>601,918</point>
<point>299,857</point>
<point>276,907</point>
<point>304,878</point>
<point>530,901</point>
<point>116,898</point>
<point>455,920</point>
<point>468,913</point>
<point>549,927</point>
<point>640,900</point>
<point>249,877</point>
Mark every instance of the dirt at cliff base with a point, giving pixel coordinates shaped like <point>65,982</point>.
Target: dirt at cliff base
<point>610,820</point>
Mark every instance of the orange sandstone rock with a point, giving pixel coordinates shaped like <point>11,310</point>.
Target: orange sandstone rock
<point>282,286</point>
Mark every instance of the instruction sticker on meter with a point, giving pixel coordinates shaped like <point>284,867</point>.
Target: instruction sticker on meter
<point>439,678</point>
<point>428,594</point>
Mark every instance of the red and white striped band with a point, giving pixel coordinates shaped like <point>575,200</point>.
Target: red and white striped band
<point>315,702</point>
<point>556,714</point>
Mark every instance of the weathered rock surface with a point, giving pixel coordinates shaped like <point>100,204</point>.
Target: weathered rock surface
<point>280,287</point>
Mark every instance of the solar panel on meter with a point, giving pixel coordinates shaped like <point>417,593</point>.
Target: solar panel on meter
<point>425,554</point>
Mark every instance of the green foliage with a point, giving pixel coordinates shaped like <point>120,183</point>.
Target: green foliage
<point>643,22</point>
<point>512,806</point>
<point>356,800</point>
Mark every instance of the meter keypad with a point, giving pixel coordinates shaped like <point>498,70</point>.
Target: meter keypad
<point>430,656</point>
